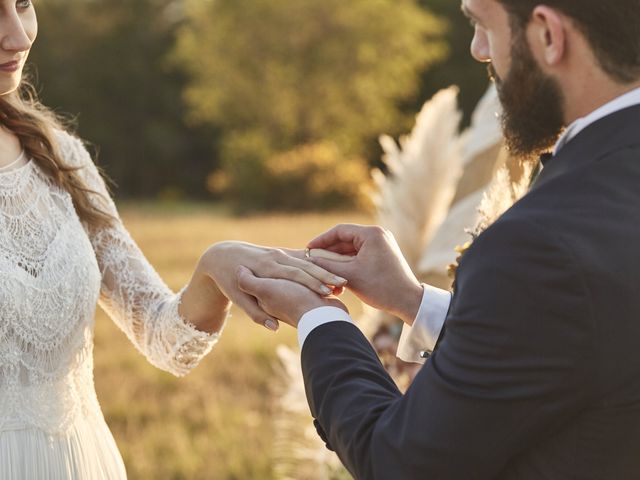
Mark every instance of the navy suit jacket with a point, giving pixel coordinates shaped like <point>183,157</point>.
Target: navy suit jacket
<point>537,373</point>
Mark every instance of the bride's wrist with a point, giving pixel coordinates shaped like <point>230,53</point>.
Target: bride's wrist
<point>206,274</point>
<point>203,303</point>
<point>205,307</point>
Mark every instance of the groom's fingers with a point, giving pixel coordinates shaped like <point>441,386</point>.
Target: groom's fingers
<point>257,314</point>
<point>344,248</point>
<point>247,302</point>
<point>340,234</point>
<point>249,283</point>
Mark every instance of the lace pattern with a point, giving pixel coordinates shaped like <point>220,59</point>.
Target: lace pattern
<point>53,271</point>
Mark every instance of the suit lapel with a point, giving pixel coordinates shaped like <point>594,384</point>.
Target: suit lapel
<point>618,130</point>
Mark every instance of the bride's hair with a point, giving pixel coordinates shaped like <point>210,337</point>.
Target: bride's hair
<point>35,126</point>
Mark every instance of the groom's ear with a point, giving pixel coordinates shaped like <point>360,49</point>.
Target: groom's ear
<point>547,34</point>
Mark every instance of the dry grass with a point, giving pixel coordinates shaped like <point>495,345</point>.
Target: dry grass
<point>216,422</point>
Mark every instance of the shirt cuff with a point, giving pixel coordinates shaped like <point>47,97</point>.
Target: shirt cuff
<point>317,317</point>
<point>423,334</point>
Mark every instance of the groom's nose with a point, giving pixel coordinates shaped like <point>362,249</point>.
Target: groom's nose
<point>480,47</point>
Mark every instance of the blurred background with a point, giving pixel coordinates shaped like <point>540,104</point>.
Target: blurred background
<point>235,119</point>
<point>233,100</point>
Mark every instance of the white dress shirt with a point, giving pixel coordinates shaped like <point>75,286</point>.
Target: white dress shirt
<point>423,334</point>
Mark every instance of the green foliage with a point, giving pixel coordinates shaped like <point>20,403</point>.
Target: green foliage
<point>243,178</point>
<point>304,71</point>
<point>261,77</point>
<point>299,73</point>
<point>309,177</point>
<point>104,61</point>
<point>318,177</point>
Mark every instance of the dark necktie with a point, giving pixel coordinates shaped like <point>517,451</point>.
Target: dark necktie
<point>544,159</point>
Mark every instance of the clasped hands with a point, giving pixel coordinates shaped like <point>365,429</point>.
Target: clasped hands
<point>365,259</point>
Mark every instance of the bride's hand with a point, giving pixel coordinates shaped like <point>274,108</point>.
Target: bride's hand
<point>222,259</point>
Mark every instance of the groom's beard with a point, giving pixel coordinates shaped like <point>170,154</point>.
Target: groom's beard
<point>532,103</point>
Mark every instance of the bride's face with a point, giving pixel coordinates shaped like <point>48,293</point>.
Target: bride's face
<point>18,30</point>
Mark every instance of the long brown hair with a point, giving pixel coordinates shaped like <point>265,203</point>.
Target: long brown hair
<point>35,125</point>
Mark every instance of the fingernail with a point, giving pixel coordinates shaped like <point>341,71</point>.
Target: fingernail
<point>271,325</point>
<point>326,290</point>
<point>340,281</point>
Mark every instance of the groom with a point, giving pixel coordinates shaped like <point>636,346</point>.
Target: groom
<point>536,371</point>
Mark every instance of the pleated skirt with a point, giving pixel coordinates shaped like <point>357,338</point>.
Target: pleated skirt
<point>87,451</point>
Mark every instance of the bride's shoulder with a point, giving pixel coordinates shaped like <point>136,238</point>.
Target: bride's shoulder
<point>72,149</point>
<point>74,154</point>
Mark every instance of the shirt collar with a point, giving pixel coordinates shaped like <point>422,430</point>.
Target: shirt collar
<point>629,99</point>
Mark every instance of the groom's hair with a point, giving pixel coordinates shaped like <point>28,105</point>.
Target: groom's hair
<point>612,28</point>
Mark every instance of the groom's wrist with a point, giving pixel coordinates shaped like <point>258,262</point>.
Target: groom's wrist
<point>304,308</point>
<point>410,300</point>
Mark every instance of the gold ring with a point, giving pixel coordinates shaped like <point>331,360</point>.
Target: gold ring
<point>307,252</point>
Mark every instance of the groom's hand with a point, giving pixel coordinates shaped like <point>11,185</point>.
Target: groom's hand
<point>282,299</point>
<point>220,261</point>
<point>377,272</point>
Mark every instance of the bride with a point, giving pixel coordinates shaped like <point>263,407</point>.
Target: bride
<point>63,248</point>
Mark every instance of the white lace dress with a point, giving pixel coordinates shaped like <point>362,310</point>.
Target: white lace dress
<point>53,271</point>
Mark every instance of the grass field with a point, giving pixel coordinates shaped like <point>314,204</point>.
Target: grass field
<point>216,422</point>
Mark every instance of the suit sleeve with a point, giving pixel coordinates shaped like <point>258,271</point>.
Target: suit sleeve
<point>512,367</point>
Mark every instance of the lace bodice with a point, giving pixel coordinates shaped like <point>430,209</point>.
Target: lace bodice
<point>53,271</point>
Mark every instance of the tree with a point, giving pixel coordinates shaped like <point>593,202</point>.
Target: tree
<point>275,75</point>
<point>104,62</point>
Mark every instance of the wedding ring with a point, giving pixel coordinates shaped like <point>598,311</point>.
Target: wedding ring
<point>307,252</point>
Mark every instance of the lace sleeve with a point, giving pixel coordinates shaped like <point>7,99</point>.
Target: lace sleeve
<point>132,292</point>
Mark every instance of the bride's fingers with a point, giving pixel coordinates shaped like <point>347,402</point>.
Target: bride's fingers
<point>300,276</point>
<point>295,253</point>
<point>344,269</point>
<point>323,276</point>
<point>280,265</point>
<point>342,252</point>
<point>337,291</point>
